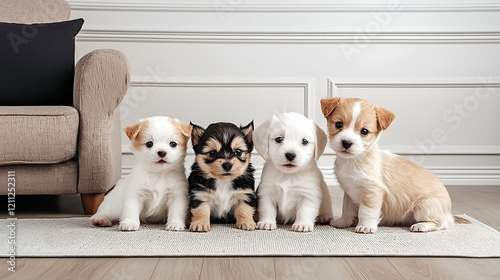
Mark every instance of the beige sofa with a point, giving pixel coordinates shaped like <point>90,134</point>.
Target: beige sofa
<point>58,150</point>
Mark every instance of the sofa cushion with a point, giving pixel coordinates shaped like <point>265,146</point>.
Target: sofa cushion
<point>49,179</point>
<point>38,134</point>
<point>37,63</point>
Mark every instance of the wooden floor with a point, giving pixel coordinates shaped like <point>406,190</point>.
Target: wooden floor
<point>482,203</point>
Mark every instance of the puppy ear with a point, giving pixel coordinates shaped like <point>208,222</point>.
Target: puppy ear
<point>384,117</point>
<point>261,138</point>
<point>248,131</point>
<point>321,141</point>
<point>186,129</point>
<point>133,130</point>
<point>329,104</point>
<point>196,133</point>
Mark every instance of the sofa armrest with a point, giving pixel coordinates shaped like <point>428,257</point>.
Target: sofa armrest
<point>102,78</point>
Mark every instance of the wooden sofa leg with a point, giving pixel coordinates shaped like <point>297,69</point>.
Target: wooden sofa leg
<point>91,202</point>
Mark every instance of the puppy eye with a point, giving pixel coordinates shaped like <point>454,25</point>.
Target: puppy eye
<point>212,153</point>
<point>305,142</point>
<point>278,139</point>
<point>339,125</point>
<point>238,152</point>
<point>149,144</point>
<point>173,144</point>
<point>364,131</point>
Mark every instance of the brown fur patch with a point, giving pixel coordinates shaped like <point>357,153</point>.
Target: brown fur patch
<point>214,169</point>
<point>461,220</point>
<point>196,133</point>
<point>328,105</point>
<point>384,117</point>
<point>205,168</point>
<point>212,145</point>
<point>184,130</point>
<point>200,218</point>
<point>204,196</point>
<point>135,133</point>
<point>248,131</point>
<point>242,195</point>
<point>239,168</point>
<point>367,119</point>
<point>133,130</point>
<point>411,191</point>
<point>244,214</point>
<point>371,117</point>
<point>337,110</point>
<point>238,143</point>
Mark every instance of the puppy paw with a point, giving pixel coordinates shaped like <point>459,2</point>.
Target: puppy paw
<point>101,220</point>
<point>175,226</point>
<point>340,223</point>
<point>323,219</point>
<point>246,225</point>
<point>266,225</point>
<point>423,227</point>
<point>302,227</point>
<point>128,226</point>
<point>199,227</point>
<point>365,229</point>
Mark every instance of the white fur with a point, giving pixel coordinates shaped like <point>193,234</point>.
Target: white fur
<point>224,199</point>
<point>291,191</point>
<point>153,192</point>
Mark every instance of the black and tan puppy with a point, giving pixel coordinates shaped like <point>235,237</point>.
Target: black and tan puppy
<point>221,183</point>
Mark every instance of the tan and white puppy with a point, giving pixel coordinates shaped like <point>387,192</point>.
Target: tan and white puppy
<point>157,188</point>
<point>380,188</point>
<point>292,188</point>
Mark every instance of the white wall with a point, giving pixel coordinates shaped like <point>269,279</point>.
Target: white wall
<point>435,64</point>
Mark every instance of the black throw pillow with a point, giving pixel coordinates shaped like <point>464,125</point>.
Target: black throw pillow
<point>37,63</point>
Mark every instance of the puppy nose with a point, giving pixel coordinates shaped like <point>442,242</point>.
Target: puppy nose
<point>227,166</point>
<point>290,156</point>
<point>161,154</point>
<point>346,144</point>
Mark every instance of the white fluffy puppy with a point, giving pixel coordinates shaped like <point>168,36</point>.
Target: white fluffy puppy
<point>292,188</point>
<point>157,188</point>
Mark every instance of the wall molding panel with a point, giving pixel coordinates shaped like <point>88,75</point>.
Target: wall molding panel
<point>336,85</point>
<point>289,37</point>
<point>274,6</point>
<point>431,62</point>
<point>307,85</point>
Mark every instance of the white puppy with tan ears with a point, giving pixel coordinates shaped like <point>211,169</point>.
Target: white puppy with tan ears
<point>292,188</point>
<point>157,188</point>
<point>380,188</point>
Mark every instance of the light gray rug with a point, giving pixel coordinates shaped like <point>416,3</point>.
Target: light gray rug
<point>76,237</point>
